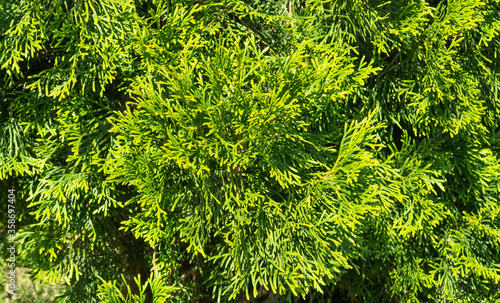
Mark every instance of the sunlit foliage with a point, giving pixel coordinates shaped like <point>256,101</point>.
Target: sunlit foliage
<point>223,151</point>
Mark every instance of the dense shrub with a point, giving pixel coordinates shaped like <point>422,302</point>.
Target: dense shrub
<point>243,150</point>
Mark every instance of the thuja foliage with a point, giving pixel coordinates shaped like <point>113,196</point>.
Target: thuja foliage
<point>238,150</point>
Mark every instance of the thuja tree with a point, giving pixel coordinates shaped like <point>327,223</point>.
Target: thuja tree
<point>251,151</point>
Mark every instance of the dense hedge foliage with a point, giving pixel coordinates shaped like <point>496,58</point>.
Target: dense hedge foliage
<point>247,150</point>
